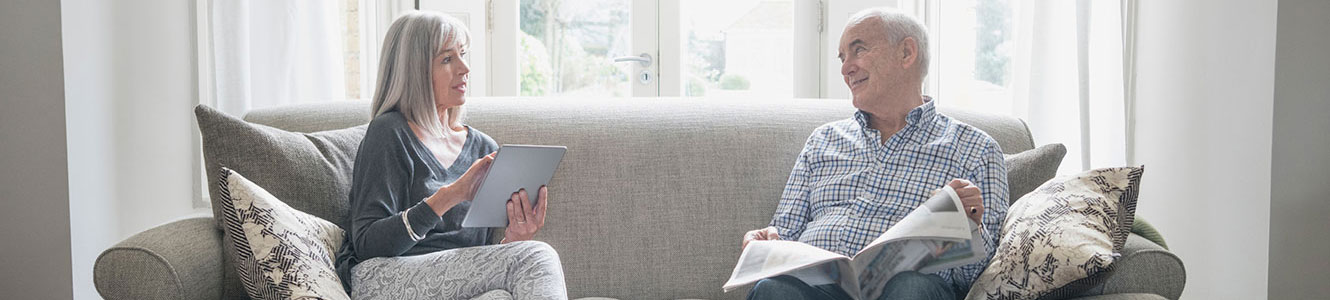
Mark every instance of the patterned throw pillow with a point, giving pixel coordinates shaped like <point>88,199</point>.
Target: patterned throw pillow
<point>1070,228</point>
<point>279,252</point>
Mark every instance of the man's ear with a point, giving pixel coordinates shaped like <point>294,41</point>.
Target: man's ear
<point>909,52</point>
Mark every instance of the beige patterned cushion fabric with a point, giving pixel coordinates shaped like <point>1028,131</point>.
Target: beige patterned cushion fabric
<point>1068,229</point>
<point>280,252</point>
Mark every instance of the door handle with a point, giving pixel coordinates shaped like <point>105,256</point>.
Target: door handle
<point>644,59</point>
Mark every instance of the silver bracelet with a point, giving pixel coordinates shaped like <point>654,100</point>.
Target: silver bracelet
<point>407,221</point>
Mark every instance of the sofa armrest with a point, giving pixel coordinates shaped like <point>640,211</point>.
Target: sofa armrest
<point>1124,297</point>
<point>1144,268</point>
<point>177,260</point>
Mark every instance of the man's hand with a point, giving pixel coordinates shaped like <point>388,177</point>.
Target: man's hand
<point>764,234</point>
<point>971,199</point>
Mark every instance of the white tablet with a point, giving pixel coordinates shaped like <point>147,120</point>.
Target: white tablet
<point>515,167</point>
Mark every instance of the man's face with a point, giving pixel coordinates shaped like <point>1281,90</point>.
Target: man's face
<point>870,64</point>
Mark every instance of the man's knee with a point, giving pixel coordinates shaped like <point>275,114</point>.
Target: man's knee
<point>915,285</point>
<point>778,287</point>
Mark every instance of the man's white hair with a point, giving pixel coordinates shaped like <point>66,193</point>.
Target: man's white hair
<point>898,26</point>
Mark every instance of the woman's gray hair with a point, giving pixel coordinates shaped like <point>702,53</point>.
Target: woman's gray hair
<point>899,26</point>
<point>405,83</point>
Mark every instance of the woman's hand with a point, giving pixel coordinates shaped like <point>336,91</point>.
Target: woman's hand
<point>461,190</point>
<point>523,219</point>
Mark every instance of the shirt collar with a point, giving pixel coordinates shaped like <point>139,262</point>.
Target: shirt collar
<point>926,112</point>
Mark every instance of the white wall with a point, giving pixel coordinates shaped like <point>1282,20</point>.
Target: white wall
<point>153,66</point>
<point>1299,205</point>
<point>34,183</point>
<point>130,87</point>
<point>91,136</point>
<point>1203,132</point>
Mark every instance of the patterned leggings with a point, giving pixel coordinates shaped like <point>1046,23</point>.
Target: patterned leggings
<point>527,269</point>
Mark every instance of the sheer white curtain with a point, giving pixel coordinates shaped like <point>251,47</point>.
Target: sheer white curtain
<point>1068,79</point>
<point>275,52</point>
<point>1061,66</point>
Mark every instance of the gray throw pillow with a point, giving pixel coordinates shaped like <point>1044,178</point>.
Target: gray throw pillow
<point>1031,168</point>
<point>311,172</point>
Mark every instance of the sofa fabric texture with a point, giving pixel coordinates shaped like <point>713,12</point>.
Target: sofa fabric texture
<point>649,202</point>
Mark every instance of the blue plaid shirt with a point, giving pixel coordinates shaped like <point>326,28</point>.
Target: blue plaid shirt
<point>848,186</point>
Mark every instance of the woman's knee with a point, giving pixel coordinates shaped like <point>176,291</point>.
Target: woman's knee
<point>535,252</point>
<point>534,248</point>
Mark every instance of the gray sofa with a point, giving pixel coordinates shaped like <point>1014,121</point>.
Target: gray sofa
<point>649,203</point>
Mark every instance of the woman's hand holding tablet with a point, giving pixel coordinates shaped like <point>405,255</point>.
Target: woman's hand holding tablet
<point>516,169</point>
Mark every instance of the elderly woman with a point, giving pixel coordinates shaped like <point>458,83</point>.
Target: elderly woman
<point>414,175</point>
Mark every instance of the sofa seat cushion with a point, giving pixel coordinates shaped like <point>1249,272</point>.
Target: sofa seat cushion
<point>279,252</point>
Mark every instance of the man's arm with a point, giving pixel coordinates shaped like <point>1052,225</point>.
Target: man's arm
<point>990,175</point>
<point>792,214</point>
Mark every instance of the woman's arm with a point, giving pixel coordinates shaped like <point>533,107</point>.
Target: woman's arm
<point>382,175</point>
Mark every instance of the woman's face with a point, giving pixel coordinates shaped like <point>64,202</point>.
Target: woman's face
<point>449,72</point>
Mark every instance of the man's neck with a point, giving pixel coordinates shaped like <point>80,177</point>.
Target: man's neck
<point>889,118</point>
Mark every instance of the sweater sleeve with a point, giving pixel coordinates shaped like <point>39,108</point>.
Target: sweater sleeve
<point>381,180</point>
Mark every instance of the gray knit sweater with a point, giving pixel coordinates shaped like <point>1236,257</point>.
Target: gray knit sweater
<point>393,173</point>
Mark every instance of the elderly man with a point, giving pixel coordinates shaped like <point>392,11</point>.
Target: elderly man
<point>857,177</point>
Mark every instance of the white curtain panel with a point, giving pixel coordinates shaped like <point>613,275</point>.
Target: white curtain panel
<point>275,52</point>
<point>1068,79</point>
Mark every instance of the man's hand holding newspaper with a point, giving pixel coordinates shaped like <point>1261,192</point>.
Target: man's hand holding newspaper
<point>934,237</point>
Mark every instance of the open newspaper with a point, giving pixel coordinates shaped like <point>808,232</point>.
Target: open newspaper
<point>934,237</point>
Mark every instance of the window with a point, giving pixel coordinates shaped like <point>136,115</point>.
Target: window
<point>645,48</point>
<point>738,48</point>
<point>1056,64</point>
<point>973,44</point>
<point>567,48</point>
